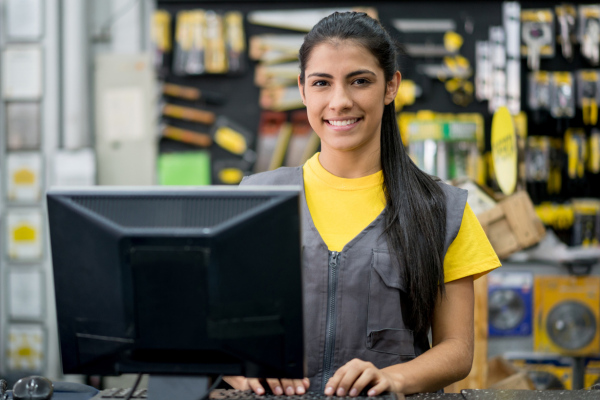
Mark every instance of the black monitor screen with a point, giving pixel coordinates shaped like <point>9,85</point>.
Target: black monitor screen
<point>178,281</point>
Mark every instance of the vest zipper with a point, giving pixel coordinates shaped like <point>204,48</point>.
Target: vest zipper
<point>334,259</point>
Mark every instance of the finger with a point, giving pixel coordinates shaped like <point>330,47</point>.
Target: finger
<point>348,380</point>
<point>256,386</point>
<point>237,382</point>
<point>299,386</point>
<point>379,388</point>
<point>306,383</point>
<point>288,386</point>
<point>332,383</point>
<point>275,386</point>
<point>367,377</point>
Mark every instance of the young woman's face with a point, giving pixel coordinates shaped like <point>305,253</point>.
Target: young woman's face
<point>344,92</point>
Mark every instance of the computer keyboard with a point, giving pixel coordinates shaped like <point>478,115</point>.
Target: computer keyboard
<point>122,394</point>
<point>230,394</point>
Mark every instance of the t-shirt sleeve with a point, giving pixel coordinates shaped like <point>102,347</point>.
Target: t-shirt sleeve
<point>471,252</point>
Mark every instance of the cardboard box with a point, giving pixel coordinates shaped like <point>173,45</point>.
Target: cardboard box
<point>512,225</point>
<point>504,375</point>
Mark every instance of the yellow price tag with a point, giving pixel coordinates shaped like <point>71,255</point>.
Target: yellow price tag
<point>504,150</point>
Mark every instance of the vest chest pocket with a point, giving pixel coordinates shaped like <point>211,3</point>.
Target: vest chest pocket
<point>386,331</point>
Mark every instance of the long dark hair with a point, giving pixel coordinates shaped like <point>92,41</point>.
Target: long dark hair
<point>415,217</point>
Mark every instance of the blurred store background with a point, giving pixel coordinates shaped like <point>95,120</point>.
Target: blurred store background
<point>500,98</point>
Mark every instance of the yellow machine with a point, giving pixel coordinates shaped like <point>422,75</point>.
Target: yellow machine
<point>566,315</point>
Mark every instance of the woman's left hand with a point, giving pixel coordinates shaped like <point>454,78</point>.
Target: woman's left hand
<point>356,375</point>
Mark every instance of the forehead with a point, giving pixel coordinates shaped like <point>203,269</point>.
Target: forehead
<point>341,56</point>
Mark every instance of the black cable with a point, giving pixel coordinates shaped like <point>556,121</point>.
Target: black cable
<point>116,16</point>
<point>212,387</point>
<point>134,388</point>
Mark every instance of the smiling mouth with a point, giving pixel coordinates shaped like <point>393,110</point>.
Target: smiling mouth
<point>343,122</point>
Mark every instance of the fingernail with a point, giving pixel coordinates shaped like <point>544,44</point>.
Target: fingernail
<point>278,391</point>
<point>353,392</point>
<point>341,392</point>
<point>289,390</point>
<point>329,391</point>
<point>300,390</point>
<point>260,390</point>
<point>372,392</point>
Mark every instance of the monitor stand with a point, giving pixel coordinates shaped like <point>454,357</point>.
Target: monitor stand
<point>165,387</point>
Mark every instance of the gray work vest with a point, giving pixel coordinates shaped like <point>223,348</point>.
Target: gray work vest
<point>355,300</point>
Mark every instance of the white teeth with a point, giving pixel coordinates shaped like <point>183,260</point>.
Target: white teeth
<point>344,122</point>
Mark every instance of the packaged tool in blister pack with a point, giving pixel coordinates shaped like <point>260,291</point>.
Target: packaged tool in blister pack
<point>562,103</point>
<point>588,95</point>
<point>566,315</point>
<point>235,41</point>
<point>586,222</point>
<point>537,165</point>
<point>557,163</point>
<point>498,57</point>
<point>215,57</point>
<point>539,90</point>
<point>537,36</point>
<point>593,163</point>
<point>511,13</point>
<point>161,40</point>
<point>566,15</point>
<point>190,43</point>
<point>520,123</point>
<point>509,303</point>
<point>483,71</point>
<point>576,149</point>
<point>272,49</point>
<point>589,32</point>
<point>460,88</point>
<point>207,42</point>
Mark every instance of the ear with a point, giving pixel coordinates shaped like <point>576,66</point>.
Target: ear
<point>392,88</point>
<point>301,88</point>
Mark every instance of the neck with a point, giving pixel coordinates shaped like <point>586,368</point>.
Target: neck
<point>351,164</point>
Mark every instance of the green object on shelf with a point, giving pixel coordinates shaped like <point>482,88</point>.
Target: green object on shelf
<point>184,169</point>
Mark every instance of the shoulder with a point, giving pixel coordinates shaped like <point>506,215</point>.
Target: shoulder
<point>280,176</point>
<point>454,194</point>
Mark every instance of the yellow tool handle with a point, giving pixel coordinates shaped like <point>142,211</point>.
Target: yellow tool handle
<point>190,114</point>
<point>183,92</point>
<point>187,136</point>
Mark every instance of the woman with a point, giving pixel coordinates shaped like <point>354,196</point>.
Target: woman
<point>388,252</point>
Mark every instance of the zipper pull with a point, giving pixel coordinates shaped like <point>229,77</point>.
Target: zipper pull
<point>334,255</point>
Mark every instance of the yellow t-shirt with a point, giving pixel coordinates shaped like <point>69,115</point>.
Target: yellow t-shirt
<point>341,208</point>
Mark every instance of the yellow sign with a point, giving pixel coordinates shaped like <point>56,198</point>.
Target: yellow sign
<point>504,150</point>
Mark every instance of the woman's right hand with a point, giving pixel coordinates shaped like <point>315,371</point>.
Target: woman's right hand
<point>278,386</point>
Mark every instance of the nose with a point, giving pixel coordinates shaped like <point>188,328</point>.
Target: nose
<point>340,99</point>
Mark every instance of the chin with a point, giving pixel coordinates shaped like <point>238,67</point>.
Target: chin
<point>343,144</point>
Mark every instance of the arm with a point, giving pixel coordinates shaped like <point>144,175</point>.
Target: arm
<point>451,356</point>
<point>448,361</point>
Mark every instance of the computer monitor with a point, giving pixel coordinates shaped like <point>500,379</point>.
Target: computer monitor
<point>186,281</point>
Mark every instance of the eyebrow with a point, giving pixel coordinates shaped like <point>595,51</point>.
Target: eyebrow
<point>350,75</point>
